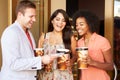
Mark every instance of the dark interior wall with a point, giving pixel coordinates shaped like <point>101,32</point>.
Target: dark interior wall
<point>71,6</point>
<point>95,6</point>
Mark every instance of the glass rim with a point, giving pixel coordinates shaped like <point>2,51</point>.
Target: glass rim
<point>63,50</point>
<point>81,48</point>
<point>39,49</point>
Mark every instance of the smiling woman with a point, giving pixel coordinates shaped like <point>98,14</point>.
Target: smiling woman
<point>107,14</point>
<point>6,19</point>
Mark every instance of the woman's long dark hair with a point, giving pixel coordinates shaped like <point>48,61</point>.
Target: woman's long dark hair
<point>66,32</point>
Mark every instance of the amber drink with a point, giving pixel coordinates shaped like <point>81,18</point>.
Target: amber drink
<point>39,52</point>
<point>82,53</point>
<point>61,60</point>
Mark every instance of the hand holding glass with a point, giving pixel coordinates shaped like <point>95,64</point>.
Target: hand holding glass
<point>82,53</point>
<point>39,52</point>
<point>63,57</point>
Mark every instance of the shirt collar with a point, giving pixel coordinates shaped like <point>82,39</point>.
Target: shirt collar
<point>92,37</point>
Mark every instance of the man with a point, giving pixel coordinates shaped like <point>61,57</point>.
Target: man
<point>17,42</point>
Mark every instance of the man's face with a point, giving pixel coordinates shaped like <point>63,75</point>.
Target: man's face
<point>28,18</point>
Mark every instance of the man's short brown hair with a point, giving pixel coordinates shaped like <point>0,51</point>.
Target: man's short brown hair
<point>22,5</point>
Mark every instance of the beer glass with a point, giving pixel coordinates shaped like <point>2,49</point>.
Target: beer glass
<point>38,52</point>
<point>82,53</point>
<point>63,57</point>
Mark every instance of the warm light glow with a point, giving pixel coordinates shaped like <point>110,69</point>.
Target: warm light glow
<point>117,9</point>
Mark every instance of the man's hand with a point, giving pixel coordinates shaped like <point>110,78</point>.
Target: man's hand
<point>46,59</point>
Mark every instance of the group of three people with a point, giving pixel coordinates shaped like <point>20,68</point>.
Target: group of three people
<point>19,62</point>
